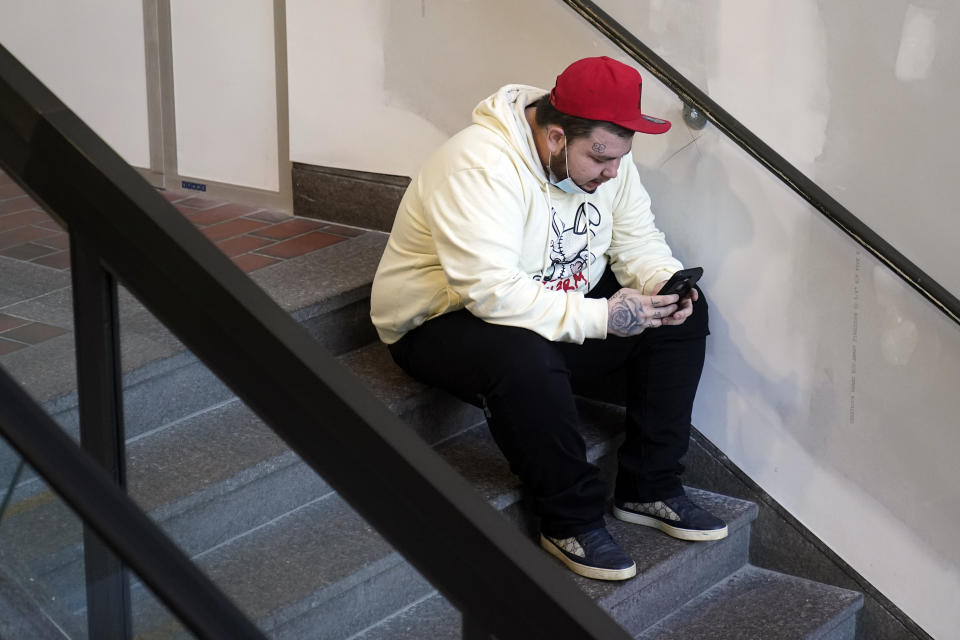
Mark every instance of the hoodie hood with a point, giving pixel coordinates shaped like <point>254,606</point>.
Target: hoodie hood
<point>503,113</point>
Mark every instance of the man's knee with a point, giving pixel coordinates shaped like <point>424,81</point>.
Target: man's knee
<point>468,356</point>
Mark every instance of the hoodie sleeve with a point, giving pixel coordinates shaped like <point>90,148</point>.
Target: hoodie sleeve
<point>639,255</point>
<point>477,221</point>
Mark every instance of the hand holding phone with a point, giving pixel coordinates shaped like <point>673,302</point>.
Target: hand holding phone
<point>681,282</point>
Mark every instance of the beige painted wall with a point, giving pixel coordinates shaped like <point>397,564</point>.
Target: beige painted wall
<point>91,56</point>
<point>829,381</point>
<point>835,378</point>
<point>393,68</point>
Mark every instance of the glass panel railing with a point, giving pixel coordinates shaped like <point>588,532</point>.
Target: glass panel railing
<point>36,305</point>
<point>42,587</point>
<point>43,581</point>
<point>43,590</point>
<point>41,541</point>
<point>253,516</point>
<point>805,79</point>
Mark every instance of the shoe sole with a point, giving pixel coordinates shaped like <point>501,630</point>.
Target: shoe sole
<point>693,535</point>
<point>586,570</point>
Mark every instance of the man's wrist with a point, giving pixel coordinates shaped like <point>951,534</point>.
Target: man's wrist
<point>658,276</point>
<point>597,312</point>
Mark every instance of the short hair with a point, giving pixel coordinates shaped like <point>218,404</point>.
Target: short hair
<point>573,126</point>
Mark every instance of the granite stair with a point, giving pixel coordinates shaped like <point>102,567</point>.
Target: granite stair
<point>298,560</point>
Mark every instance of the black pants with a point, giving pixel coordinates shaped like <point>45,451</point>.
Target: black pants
<point>527,384</point>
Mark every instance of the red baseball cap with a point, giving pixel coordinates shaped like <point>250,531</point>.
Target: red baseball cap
<point>604,89</point>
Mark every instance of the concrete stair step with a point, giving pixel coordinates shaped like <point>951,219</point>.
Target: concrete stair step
<point>430,617</point>
<point>222,475</point>
<point>750,604</point>
<point>319,571</point>
<point>475,455</point>
<point>213,475</point>
<point>317,601</point>
<point>328,291</point>
<point>164,382</point>
<point>343,571</point>
<point>290,552</point>
<point>204,480</point>
<point>197,492</point>
<point>28,609</point>
<point>766,605</point>
<point>205,476</point>
<point>433,413</point>
<point>671,571</point>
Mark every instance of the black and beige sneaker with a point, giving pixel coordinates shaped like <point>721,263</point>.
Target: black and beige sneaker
<point>678,517</point>
<point>593,554</point>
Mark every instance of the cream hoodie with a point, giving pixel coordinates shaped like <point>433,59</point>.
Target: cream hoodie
<point>481,228</point>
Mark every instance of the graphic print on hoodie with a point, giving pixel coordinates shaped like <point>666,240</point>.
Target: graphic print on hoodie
<point>570,252</point>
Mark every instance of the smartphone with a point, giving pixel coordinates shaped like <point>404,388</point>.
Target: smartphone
<point>681,282</point>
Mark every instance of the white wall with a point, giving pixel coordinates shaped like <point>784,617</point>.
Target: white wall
<point>340,114</point>
<point>829,381</point>
<point>225,91</point>
<point>835,379</point>
<point>376,85</point>
<point>91,55</point>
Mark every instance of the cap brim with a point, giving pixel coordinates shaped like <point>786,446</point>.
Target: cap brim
<point>646,124</point>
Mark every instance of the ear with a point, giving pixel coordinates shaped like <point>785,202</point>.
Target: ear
<point>556,138</point>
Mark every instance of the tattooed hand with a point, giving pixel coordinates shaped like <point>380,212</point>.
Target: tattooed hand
<point>629,312</point>
<point>685,305</point>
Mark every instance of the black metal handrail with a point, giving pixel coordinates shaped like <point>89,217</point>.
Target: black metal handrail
<point>774,162</point>
<point>483,564</point>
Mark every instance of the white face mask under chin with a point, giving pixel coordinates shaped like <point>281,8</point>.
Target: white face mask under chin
<point>567,185</point>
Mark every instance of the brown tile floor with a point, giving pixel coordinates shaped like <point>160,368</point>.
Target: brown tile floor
<point>252,237</point>
<point>255,238</point>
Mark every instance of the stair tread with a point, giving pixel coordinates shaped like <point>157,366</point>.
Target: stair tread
<point>189,460</point>
<point>319,280</point>
<point>162,380</point>
<point>276,570</point>
<point>432,617</point>
<point>200,458</point>
<point>316,546</point>
<point>212,446</point>
<point>759,604</point>
<point>201,450</point>
<point>321,561</point>
<point>358,552</point>
<point>432,412</point>
<point>658,554</point>
<point>189,456</point>
<point>281,566</point>
<point>195,459</point>
<point>751,604</point>
<point>311,284</point>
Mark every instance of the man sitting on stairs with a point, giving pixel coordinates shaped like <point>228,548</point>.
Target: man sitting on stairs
<point>524,261</point>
